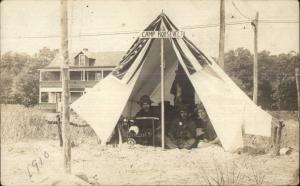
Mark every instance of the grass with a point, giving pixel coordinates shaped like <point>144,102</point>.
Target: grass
<point>20,123</point>
<point>233,174</point>
<point>223,174</point>
<point>257,176</point>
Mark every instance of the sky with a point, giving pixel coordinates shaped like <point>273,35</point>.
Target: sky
<point>29,25</point>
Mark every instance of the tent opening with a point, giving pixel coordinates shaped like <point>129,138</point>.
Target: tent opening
<point>178,91</point>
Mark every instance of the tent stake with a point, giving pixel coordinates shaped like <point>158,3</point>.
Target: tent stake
<point>162,94</point>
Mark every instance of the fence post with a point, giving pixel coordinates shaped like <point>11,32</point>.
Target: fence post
<point>277,138</point>
<point>59,130</point>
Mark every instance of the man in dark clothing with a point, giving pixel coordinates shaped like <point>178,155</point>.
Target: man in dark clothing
<point>183,131</point>
<point>182,89</point>
<point>146,109</point>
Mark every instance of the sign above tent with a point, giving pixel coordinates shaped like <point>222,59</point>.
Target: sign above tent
<point>162,34</point>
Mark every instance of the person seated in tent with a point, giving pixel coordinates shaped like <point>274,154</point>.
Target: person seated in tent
<point>210,136</point>
<point>146,109</point>
<point>183,130</point>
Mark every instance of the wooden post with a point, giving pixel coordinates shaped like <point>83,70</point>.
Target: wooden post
<point>278,138</point>
<point>255,64</point>
<point>222,34</point>
<point>162,66</point>
<point>59,130</point>
<point>297,73</point>
<point>274,136</point>
<point>65,87</point>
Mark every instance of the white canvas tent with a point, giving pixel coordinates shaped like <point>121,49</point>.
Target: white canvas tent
<point>138,73</point>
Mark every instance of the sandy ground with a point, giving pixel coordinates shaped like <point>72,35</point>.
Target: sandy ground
<point>107,165</point>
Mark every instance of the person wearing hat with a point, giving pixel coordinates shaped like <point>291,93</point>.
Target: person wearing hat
<point>183,129</point>
<point>146,109</point>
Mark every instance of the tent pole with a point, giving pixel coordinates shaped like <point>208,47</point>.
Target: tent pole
<point>162,94</point>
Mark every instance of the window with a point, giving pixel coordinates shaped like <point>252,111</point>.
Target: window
<point>91,62</point>
<point>106,72</point>
<point>75,95</point>
<point>58,97</point>
<point>98,76</point>
<point>51,76</point>
<point>91,75</point>
<point>75,75</point>
<point>52,97</point>
<point>44,97</point>
<point>81,60</point>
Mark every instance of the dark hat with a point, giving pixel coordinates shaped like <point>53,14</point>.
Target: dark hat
<point>167,103</point>
<point>183,107</point>
<point>145,99</point>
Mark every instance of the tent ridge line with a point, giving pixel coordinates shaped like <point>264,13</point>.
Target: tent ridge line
<point>127,62</point>
<point>188,64</point>
<point>147,51</point>
<point>142,61</point>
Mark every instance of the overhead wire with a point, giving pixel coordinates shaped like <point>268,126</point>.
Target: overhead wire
<point>138,31</point>
<point>239,11</point>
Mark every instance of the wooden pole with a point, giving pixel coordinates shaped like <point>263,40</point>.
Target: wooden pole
<point>222,34</point>
<point>162,86</point>
<point>59,130</point>
<point>274,136</point>
<point>297,73</point>
<point>278,131</point>
<point>255,64</point>
<point>65,87</point>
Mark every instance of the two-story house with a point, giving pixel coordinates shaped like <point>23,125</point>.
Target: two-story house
<point>86,69</point>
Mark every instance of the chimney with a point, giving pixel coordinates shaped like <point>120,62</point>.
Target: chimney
<point>85,50</point>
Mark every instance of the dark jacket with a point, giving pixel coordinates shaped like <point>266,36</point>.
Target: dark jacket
<point>150,113</point>
<point>147,123</point>
<point>182,129</point>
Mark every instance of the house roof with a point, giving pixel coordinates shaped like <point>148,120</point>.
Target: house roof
<point>102,59</point>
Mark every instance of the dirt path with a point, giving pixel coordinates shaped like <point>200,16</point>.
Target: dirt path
<point>142,165</point>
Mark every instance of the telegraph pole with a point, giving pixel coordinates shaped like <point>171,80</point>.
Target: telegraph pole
<point>222,34</point>
<point>297,73</point>
<point>254,23</point>
<point>65,87</point>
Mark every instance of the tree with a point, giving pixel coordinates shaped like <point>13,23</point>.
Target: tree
<point>239,66</point>
<point>11,65</point>
<point>20,76</point>
<point>276,86</point>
